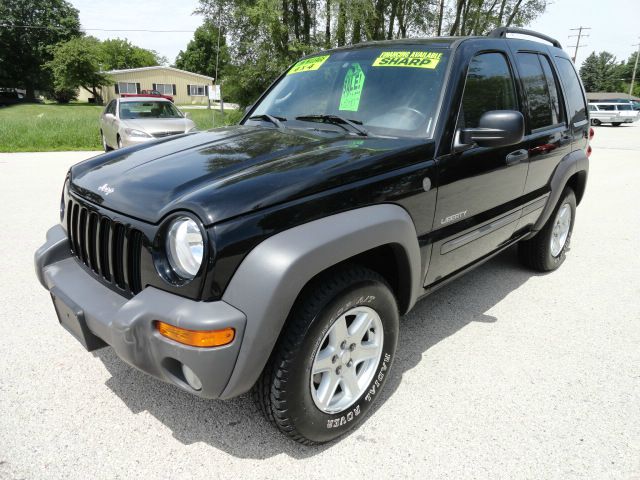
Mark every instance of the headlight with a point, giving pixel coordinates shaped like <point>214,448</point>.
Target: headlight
<point>132,132</point>
<point>185,247</point>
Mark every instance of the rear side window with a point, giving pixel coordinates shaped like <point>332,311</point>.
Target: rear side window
<point>608,108</point>
<point>489,86</point>
<point>552,83</point>
<point>537,91</point>
<point>577,106</point>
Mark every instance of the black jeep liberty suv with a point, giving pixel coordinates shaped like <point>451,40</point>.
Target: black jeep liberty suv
<point>277,255</point>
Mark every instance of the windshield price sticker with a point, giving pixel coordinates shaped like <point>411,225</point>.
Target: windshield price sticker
<point>308,64</point>
<point>352,88</point>
<point>408,59</point>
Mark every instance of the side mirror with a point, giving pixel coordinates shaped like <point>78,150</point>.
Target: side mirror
<point>109,115</point>
<point>248,108</point>
<point>187,114</point>
<point>496,128</point>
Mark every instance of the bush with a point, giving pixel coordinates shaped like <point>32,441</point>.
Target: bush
<point>62,95</point>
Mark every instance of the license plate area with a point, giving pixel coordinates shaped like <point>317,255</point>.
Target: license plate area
<point>71,317</point>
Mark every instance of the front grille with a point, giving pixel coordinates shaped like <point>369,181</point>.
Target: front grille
<point>111,250</point>
<point>165,134</point>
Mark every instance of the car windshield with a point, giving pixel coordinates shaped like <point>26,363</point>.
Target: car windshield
<point>151,109</point>
<point>392,91</point>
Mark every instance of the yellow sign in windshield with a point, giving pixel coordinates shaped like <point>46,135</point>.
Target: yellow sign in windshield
<point>308,64</point>
<point>408,59</point>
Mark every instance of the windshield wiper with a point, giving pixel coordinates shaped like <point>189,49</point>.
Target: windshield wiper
<point>336,120</point>
<point>277,121</point>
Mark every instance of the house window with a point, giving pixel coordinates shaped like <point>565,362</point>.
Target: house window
<point>197,90</point>
<point>125,87</point>
<point>164,88</point>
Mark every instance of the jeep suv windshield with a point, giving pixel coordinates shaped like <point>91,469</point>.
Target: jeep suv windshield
<point>393,91</point>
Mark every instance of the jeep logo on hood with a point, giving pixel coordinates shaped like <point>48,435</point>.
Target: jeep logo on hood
<point>106,189</point>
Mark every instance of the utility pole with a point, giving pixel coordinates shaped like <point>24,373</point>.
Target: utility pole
<point>635,67</point>
<point>580,35</point>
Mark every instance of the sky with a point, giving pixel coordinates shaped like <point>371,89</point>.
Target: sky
<point>615,24</point>
<point>142,15</point>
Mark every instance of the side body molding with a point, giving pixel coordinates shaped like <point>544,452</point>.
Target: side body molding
<point>269,279</point>
<point>575,162</point>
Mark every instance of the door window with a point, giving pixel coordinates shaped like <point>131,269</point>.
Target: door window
<point>111,108</point>
<point>553,86</point>
<point>489,86</point>
<point>537,89</point>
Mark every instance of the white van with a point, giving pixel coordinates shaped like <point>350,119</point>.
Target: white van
<point>614,113</point>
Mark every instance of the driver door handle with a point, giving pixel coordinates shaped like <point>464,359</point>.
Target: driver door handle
<point>517,157</point>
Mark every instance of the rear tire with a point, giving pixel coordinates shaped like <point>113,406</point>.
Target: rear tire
<point>317,385</point>
<point>547,250</point>
<point>596,122</point>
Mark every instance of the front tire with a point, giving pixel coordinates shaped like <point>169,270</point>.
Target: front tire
<point>333,356</point>
<point>119,142</point>
<point>547,250</point>
<point>616,124</point>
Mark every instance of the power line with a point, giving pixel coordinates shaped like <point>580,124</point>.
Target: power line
<point>578,45</point>
<point>53,27</point>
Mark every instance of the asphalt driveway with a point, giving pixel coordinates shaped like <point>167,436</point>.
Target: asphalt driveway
<point>502,374</point>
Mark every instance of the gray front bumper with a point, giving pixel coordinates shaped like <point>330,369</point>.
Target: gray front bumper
<point>128,324</point>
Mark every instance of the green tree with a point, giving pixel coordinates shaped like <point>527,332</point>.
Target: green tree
<point>273,33</point>
<point>202,52</point>
<point>600,73</point>
<point>118,54</point>
<point>77,64</point>
<point>30,28</point>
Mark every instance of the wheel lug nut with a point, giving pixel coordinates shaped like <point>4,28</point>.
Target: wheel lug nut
<point>350,363</point>
<point>338,370</point>
<point>352,347</point>
<point>343,345</point>
<point>334,359</point>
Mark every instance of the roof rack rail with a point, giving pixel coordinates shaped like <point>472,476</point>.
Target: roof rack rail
<point>501,32</point>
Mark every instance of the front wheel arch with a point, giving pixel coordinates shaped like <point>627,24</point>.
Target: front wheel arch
<point>271,277</point>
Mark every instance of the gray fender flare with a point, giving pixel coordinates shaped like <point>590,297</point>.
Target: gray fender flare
<point>574,162</point>
<point>268,281</point>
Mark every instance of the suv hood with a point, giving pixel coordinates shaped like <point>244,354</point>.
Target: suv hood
<point>230,171</point>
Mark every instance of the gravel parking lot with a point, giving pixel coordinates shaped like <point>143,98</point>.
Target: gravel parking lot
<point>502,374</point>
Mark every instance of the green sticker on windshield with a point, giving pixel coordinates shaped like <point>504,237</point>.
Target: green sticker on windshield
<point>308,64</point>
<point>408,59</point>
<point>352,88</point>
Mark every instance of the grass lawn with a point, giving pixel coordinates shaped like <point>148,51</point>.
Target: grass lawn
<point>49,127</point>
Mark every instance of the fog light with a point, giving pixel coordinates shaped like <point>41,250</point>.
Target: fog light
<point>191,378</point>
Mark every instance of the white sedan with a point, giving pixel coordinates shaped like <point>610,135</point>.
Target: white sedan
<point>134,120</point>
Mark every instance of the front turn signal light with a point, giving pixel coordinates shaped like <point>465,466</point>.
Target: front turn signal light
<point>196,338</point>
